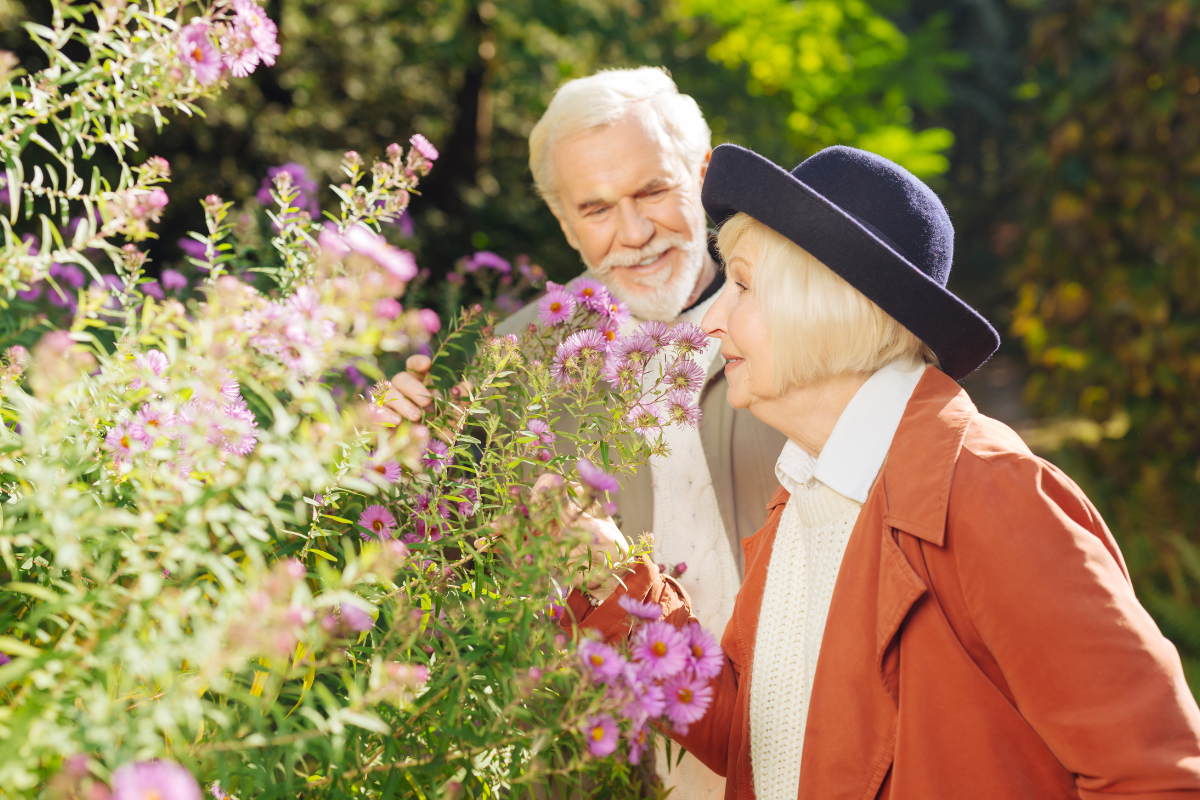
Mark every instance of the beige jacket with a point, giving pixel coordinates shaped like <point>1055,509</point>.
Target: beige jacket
<point>741,453</point>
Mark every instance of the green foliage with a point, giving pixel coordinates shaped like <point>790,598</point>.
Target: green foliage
<point>1108,277</point>
<point>851,74</point>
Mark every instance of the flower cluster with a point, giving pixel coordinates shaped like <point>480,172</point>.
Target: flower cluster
<point>667,673</point>
<point>243,41</point>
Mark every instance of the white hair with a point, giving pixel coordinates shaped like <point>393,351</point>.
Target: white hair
<point>604,99</point>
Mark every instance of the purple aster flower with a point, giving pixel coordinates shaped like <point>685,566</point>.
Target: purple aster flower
<point>659,332</point>
<point>556,307</point>
<point>485,259</point>
<point>305,187</point>
<point>152,422</point>
<point>4,659</point>
<point>216,791</point>
<point>705,657</point>
<point>688,337</point>
<point>237,429</point>
<point>661,649</point>
<point>622,374</point>
<point>616,311</point>
<point>637,348</point>
<point>595,477</point>
<point>639,740</point>
<point>192,248</point>
<point>422,146</point>
<point>602,735</point>
<point>382,472</point>
<point>429,320</point>
<point>154,779</point>
<point>589,343</point>
<point>688,697</point>
<point>603,663</point>
<point>173,280</point>
<point>198,53</point>
<point>262,31</point>
<point>329,240</point>
<point>32,293</point>
<point>646,418</point>
<point>685,375</point>
<point>681,408</point>
<point>122,442</point>
<point>436,456</point>
<point>639,610</point>
<point>590,293</point>
<point>228,387</point>
<point>357,620</point>
<point>153,289</point>
<point>541,429</point>
<point>647,696</point>
<point>470,498</point>
<point>378,522</point>
<point>68,274</point>
<point>421,502</point>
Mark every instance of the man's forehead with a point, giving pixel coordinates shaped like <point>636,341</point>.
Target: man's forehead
<point>606,164</point>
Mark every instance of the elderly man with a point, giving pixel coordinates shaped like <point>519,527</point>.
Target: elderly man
<point>620,158</point>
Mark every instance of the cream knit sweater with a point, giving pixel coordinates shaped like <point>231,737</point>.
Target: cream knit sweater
<point>809,545</point>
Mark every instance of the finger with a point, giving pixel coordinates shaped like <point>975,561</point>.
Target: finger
<point>410,387</point>
<point>404,407</point>
<point>383,416</point>
<point>418,364</point>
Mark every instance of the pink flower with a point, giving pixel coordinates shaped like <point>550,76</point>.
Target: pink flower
<point>383,472</point>
<point>430,320</point>
<point>648,699</point>
<point>646,418</point>
<point>588,344</point>
<point>659,332</point>
<point>661,649</point>
<point>602,735</point>
<point>686,375</point>
<point>616,311</point>
<point>153,360</point>
<point>152,422</point>
<point>173,280</point>
<point>603,663</point>
<point>622,374</point>
<point>366,242</point>
<point>705,657</point>
<point>541,429</point>
<point>637,348</point>
<point>681,409</point>
<point>378,521</point>
<point>387,308</point>
<point>422,146</point>
<point>331,242</point>
<point>122,442</point>
<point>595,477</point>
<point>590,293</point>
<point>154,779</point>
<point>688,697</point>
<point>238,428</point>
<point>640,610</point>
<point>262,31</point>
<point>228,387</point>
<point>556,307</point>
<point>486,259</point>
<point>639,740</point>
<point>355,619</point>
<point>688,337</point>
<point>157,199</point>
<point>196,52</point>
<point>436,456</point>
<point>152,289</point>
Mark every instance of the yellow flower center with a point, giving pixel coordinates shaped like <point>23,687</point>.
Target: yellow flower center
<point>597,660</point>
<point>588,292</point>
<point>610,335</point>
<point>152,794</point>
<point>556,306</point>
<point>697,650</point>
<point>659,649</point>
<point>685,695</point>
<point>381,469</point>
<point>125,442</point>
<point>597,733</point>
<point>377,525</point>
<point>197,53</point>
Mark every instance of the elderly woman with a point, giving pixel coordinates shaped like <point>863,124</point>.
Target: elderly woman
<point>931,611</point>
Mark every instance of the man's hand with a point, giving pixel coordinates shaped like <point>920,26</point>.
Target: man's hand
<point>409,398</point>
<point>606,544</point>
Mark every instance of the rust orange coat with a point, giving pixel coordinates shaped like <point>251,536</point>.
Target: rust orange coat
<point>983,641</point>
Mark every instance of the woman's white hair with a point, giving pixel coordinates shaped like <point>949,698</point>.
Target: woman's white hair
<point>820,325</point>
<point>604,99</point>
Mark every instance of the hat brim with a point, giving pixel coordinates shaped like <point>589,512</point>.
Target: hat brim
<point>741,180</point>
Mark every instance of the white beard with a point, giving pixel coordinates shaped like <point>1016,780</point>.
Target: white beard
<point>670,290</point>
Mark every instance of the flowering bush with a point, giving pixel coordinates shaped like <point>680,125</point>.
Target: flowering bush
<point>220,567</point>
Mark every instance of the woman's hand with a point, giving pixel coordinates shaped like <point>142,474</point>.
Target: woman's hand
<point>604,545</point>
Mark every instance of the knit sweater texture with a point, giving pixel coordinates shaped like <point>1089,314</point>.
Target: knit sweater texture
<point>809,545</point>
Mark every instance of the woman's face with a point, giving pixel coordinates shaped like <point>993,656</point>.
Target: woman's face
<point>736,320</point>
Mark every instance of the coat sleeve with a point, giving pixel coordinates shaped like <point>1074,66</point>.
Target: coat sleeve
<point>1048,594</point>
<point>707,739</point>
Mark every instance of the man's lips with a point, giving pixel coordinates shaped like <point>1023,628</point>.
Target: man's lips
<point>653,265</point>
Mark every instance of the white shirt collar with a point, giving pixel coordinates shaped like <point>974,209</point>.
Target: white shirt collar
<point>860,440</point>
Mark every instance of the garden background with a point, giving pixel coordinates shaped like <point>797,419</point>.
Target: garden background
<point>1062,135</point>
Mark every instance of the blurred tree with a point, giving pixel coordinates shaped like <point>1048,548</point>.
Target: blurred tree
<point>1108,277</point>
<point>475,76</point>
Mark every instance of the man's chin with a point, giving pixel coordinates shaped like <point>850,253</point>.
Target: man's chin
<point>660,305</point>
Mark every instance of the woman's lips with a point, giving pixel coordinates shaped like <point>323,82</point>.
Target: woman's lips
<point>731,362</point>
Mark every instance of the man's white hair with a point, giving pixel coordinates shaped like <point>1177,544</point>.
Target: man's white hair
<point>604,99</point>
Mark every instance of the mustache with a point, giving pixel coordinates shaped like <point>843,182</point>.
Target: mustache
<point>652,250</point>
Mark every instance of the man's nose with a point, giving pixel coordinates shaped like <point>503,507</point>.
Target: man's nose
<point>633,228</point>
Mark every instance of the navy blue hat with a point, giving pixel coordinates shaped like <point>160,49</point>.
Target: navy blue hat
<point>872,222</point>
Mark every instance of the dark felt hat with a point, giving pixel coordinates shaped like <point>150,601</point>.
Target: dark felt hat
<point>872,222</point>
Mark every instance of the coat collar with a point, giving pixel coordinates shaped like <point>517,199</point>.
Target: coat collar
<point>920,464</point>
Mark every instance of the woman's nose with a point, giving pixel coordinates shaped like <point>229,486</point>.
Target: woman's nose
<point>714,319</point>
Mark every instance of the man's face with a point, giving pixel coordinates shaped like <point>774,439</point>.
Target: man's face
<point>632,209</point>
